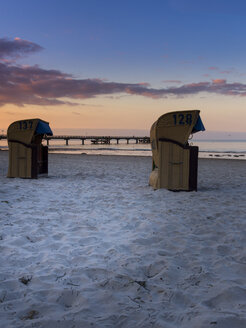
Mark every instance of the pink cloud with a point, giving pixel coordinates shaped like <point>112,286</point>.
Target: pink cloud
<point>34,85</point>
<point>145,84</point>
<point>213,68</point>
<point>226,72</point>
<point>219,81</point>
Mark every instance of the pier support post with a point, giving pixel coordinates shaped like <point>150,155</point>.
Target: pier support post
<point>66,142</point>
<point>47,142</point>
<point>83,141</point>
<point>136,140</point>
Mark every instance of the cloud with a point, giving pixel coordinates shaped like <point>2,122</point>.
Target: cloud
<point>219,81</point>
<point>217,86</point>
<point>14,49</point>
<point>145,84</point>
<point>213,68</point>
<point>227,72</point>
<point>32,85</point>
<point>23,85</point>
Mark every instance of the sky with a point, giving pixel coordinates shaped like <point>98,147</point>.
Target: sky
<point>93,64</point>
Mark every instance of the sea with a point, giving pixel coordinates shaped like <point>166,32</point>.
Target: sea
<point>220,149</point>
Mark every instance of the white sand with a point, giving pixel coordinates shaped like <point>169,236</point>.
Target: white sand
<point>93,245</point>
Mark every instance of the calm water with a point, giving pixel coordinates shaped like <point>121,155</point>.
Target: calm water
<point>235,149</point>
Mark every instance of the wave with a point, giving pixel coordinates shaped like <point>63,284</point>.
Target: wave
<point>222,152</point>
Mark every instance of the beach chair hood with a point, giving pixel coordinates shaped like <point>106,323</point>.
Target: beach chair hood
<point>176,127</point>
<point>23,131</point>
<point>28,157</point>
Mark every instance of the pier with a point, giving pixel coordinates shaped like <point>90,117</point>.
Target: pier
<point>98,139</point>
<point>94,139</point>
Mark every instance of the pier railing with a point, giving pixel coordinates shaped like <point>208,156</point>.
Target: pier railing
<point>99,139</point>
<point>94,139</point>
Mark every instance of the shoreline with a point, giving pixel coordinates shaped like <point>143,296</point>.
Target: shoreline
<point>141,156</point>
<point>210,155</point>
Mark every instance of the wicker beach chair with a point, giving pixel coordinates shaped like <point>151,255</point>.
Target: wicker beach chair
<point>174,160</point>
<point>27,156</point>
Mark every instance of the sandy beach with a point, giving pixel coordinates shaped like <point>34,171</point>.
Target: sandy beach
<point>92,245</point>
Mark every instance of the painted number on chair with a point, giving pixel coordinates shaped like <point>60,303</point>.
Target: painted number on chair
<point>24,125</point>
<point>182,119</point>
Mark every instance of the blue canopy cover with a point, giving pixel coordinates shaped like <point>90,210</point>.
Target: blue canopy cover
<point>199,125</point>
<point>43,128</point>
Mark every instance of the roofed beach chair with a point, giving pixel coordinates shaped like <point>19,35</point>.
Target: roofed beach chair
<point>27,156</point>
<point>174,161</point>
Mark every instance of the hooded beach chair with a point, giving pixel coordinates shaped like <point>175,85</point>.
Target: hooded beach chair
<point>174,161</point>
<point>27,156</point>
